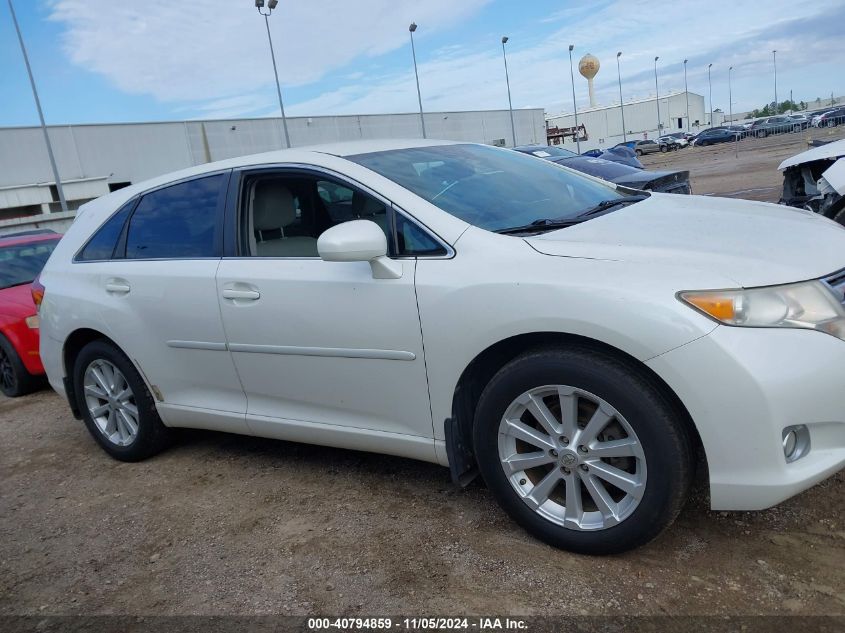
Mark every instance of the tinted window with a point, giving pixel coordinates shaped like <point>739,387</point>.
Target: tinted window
<point>20,264</point>
<point>179,221</point>
<point>489,187</point>
<point>101,246</point>
<point>413,241</point>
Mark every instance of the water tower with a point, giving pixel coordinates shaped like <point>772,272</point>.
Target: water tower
<point>589,67</point>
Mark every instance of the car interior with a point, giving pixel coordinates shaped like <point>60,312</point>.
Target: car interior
<point>286,214</point>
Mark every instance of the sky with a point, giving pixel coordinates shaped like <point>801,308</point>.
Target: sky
<point>107,61</point>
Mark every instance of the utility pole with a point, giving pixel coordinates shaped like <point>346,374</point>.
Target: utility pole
<point>52,158</point>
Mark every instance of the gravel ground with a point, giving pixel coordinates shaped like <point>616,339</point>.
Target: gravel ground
<point>234,525</point>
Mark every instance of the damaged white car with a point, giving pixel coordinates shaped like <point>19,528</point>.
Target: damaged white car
<point>815,180</point>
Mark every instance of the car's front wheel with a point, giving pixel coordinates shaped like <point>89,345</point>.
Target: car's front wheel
<point>582,450</point>
<point>116,405</point>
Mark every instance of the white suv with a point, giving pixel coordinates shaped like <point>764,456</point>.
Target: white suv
<point>580,345</point>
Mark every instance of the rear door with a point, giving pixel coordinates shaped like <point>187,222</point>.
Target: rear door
<point>157,296</point>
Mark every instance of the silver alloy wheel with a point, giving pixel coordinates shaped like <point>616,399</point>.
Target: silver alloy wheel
<point>110,402</point>
<point>572,457</point>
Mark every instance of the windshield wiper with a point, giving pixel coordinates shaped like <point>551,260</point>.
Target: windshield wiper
<point>604,205</point>
<point>537,226</point>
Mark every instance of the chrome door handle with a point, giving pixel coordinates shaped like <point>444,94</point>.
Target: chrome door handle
<point>243,295</point>
<point>117,286</point>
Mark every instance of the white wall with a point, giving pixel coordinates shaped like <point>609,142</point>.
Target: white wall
<point>137,151</point>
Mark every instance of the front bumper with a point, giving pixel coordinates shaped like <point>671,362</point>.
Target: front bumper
<point>742,387</point>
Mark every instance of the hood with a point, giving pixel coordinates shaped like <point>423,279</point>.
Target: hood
<point>17,301</point>
<point>836,149</point>
<point>752,243</point>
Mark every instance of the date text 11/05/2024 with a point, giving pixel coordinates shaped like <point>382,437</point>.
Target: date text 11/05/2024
<point>418,624</point>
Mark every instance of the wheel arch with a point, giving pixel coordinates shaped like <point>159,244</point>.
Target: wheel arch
<point>74,344</point>
<point>478,373</point>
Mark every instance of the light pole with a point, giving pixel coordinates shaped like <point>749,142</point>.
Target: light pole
<point>686,92</point>
<point>775,63</point>
<point>621,105</point>
<point>411,29</point>
<point>710,84</point>
<point>730,97</point>
<point>271,4</point>
<point>574,105</point>
<point>508,82</point>
<point>52,158</point>
<point>657,95</point>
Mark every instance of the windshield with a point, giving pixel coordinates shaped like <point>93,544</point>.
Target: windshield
<point>490,188</point>
<point>20,264</point>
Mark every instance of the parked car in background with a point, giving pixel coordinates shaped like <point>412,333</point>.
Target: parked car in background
<point>782,124</point>
<point>832,118</point>
<point>816,117</point>
<point>647,146</point>
<point>670,143</point>
<point>683,137</point>
<point>714,135</point>
<point>22,256</point>
<point>815,180</point>
<point>580,346</point>
<point>617,154</point>
<point>665,181</point>
<point>802,119</point>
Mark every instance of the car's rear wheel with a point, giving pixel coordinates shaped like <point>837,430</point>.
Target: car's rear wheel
<point>639,152</point>
<point>15,380</point>
<point>664,148</point>
<point>582,451</point>
<point>116,405</point>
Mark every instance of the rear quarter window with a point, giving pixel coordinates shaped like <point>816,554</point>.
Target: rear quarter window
<point>102,245</point>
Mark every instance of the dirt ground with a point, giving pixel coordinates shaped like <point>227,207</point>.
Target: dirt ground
<point>746,169</point>
<point>234,525</point>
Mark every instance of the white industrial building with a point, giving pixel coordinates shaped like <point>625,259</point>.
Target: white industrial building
<point>96,159</point>
<point>603,124</point>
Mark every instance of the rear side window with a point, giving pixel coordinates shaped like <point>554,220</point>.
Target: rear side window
<point>177,222</point>
<point>102,245</point>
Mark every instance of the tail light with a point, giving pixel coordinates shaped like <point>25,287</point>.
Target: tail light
<point>37,289</point>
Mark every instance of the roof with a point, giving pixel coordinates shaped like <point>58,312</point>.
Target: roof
<point>835,149</point>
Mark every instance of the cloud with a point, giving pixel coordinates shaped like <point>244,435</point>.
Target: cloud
<point>212,57</point>
<point>473,79</point>
<point>177,51</point>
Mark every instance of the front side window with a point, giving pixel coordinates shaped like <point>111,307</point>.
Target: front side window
<point>284,214</point>
<point>491,188</point>
<point>177,222</point>
<point>20,264</point>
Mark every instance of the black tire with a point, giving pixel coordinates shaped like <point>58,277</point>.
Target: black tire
<point>664,148</point>
<point>639,152</point>
<point>15,380</point>
<point>658,426</point>
<point>152,436</point>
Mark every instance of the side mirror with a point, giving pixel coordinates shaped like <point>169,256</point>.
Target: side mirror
<point>359,241</point>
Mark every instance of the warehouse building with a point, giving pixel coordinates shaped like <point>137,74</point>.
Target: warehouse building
<point>603,124</point>
<point>96,159</point>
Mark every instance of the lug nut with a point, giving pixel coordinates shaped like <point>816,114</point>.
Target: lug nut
<point>522,482</point>
<point>585,468</point>
<point>582,449</point>
<point>553,453</point>
<point>564,440</point>
<point>565,470</point>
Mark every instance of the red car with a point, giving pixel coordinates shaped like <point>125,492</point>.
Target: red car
<point>22,256</point>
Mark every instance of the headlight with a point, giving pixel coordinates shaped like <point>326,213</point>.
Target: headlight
<point>809,305</point>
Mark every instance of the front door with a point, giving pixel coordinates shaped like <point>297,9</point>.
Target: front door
<point>314,342</point>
